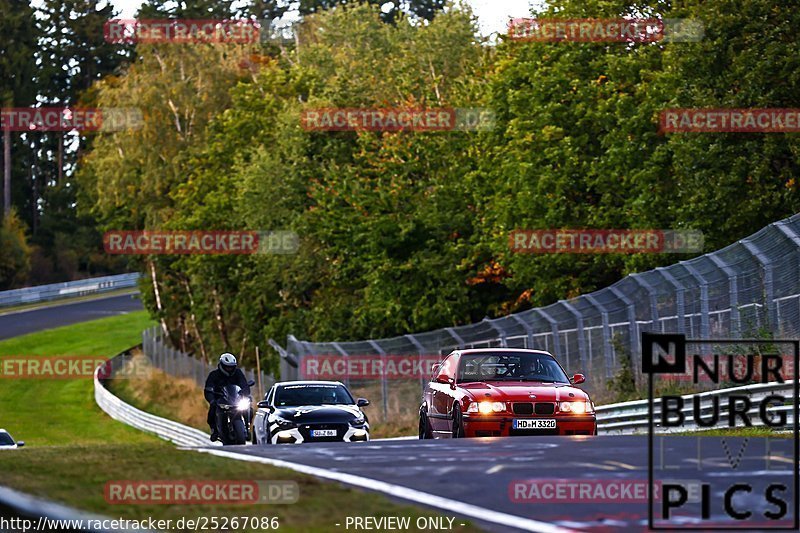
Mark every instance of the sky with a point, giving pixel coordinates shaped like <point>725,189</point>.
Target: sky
<point>492,15</point>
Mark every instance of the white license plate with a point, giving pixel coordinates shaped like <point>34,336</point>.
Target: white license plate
<point>323,432</point>
<point>534,423</point>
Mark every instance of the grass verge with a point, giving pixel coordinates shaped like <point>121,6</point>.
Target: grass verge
<point>73,449</point>
<point>77,476</point>
<point>755,431</point>
<point>62,411</point>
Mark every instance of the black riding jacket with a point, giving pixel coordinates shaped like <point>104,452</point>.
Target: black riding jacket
<point>217,379</point>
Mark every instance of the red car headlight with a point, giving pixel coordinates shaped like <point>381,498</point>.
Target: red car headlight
<point>578,408</point>
<point>486,408</point>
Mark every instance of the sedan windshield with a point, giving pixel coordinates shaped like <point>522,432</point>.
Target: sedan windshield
<point>6,440</point>
<point>297,395</point>
<point>510,366</point>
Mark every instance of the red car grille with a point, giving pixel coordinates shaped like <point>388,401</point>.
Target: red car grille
<point>528,408</point>
<point>522,408</point>
<point>545,408</point>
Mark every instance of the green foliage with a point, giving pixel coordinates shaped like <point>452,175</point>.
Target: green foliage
<point>405,232</point>
<point>15,254</point>
<point>623,385</point>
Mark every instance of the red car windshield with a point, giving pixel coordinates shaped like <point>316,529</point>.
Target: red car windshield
<point>513,366</point>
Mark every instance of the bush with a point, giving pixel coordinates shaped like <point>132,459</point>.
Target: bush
<point>15,254</point>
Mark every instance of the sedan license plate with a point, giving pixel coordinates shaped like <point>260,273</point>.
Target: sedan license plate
<point>323,432</point>
<point>540,423</point>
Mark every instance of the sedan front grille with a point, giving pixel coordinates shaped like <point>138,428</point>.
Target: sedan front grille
<point>522,408</point>
<point>545,408</point>
<point>305,431</point>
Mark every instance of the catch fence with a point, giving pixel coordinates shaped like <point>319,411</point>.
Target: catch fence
<point>179,364</point>
<point>748,289</point>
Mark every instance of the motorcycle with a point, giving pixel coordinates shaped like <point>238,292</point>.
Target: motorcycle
<point>234,414</point>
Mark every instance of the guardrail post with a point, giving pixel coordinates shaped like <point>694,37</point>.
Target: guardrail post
<point>384,386</point>
<point>607,351</point>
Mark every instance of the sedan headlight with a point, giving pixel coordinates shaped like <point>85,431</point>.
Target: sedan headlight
<point>486,408</point>
<point>358,421</point>
<point>284,424</point>
<point>578,408</point>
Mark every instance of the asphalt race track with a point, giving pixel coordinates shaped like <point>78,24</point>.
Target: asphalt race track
<point>32,320</point>
<point>482,472</point>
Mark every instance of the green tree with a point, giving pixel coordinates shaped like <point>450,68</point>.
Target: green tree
<point>14,252</point>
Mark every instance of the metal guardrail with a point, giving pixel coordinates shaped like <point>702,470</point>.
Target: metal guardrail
<point>45,515</point>
<point>624,418</point>
<point>68,289</point>
<point>127,414</point>
<point>632,417</point>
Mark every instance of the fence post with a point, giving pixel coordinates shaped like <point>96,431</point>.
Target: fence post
<point>640,280</point>
<point>769,289</point>
<point>606,333</point>
<point>554,332</point>
<point>679,296</point>
<point>459,340</point>
<point>633,327</point>
<point>581,336</point>
<point>420,352</point>
<point>347,367</point>
<point>736,326</point>
<point>501,334</point>
<point>528,331</point>
<point>384,387</point>
<point>705,329</point>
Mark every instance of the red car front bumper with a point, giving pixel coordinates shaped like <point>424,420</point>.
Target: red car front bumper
<point>503,426</point>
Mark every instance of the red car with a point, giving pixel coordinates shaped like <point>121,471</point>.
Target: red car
<point>498,392</point>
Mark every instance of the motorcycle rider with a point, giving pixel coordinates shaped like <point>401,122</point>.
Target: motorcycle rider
<point>227,373</point>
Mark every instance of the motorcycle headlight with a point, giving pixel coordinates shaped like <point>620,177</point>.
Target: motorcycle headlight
<point>243,404</point>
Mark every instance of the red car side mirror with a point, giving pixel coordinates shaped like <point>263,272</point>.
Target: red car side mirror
<point>447,380</point>
<point>577,379</point>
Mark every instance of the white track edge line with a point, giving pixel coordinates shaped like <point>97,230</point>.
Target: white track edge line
<point>399,491</point>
